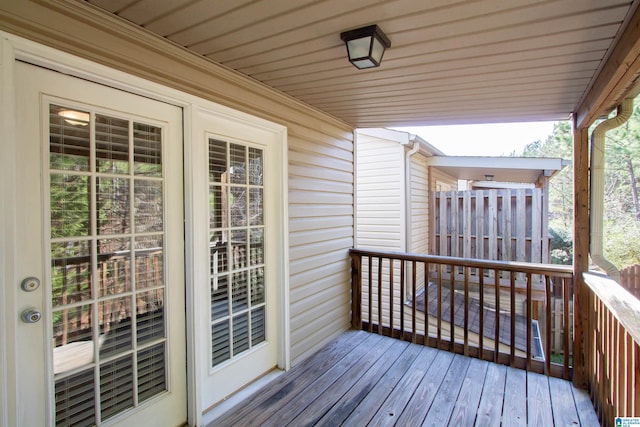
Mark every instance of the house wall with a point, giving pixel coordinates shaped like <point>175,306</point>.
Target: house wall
<point>320,148</point>
<point>380,194</point>
<point>419,238</point>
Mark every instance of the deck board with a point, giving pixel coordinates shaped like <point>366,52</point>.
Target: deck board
<point>515,407</point>
<point>365,379</point>
<point>464,412</point>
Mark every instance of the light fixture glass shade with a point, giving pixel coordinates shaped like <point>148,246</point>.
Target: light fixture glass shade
<point>365,46</point>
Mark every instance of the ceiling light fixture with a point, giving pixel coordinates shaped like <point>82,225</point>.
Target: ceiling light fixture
<point>74,117</point>
<point>365,46</point>
<point>488,177</point>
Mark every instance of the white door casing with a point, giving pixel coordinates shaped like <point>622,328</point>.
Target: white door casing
<point>134,346</point>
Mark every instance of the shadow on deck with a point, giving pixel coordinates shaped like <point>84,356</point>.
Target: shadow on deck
<point>365,379</point>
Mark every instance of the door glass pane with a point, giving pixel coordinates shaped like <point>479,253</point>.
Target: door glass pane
<point>236,221</point>
<point>107,264</point>
<point>70,139</point>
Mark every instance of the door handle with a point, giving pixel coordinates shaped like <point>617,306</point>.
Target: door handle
<point>31,315</point>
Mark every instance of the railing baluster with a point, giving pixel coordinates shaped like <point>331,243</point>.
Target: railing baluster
<point>481,319</point>
<point>439,301</point>
<point>391,296</point>
<point>512,355</point>
<point>402,294</point>
<point>370,294</point>
<point>466,311</point>
<point>413,301</point>
<point>547,359</point>
<point>566,295</point>
<point>496,280</point>
<point>452,307</point>
<point>426,303</point>
<point>529,323</point>
<point>380,295</point>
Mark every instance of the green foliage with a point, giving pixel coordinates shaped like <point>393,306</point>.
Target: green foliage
<point>621,209</point>
<point>561,245</point>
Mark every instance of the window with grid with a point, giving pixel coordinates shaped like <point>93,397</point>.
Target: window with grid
<point>236,249</point>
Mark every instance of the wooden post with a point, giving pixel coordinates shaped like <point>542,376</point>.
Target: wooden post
<point>580,254</point>
<point>356,291</point>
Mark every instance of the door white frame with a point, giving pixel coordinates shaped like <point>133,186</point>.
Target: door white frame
<point>14,48</point>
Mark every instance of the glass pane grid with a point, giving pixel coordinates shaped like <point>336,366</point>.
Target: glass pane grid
<point>107,292</point>
<point>236,224</point>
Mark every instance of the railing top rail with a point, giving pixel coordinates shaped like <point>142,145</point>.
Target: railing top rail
<point>622,304</point>
<point>519,267</point>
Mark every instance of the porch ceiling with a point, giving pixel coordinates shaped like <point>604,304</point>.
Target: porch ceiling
<point>450,61</point>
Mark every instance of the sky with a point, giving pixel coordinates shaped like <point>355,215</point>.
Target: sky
<point>483,140</point>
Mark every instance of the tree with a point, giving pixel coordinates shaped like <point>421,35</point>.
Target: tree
<point>621,205</point>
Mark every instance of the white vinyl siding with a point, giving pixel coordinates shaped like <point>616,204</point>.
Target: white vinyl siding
<point>320,235</point>
<point>380,194</point>
<point>419,238</point>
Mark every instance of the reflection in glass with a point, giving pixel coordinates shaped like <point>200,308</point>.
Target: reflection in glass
<point>112,144</point>
<point>238,249</point>
<point>72,336</point>
<point>115,318</point>
<point>69,139</point>
<point>239,291</point>
<point>113,206</point>
<point>256,245</point>
<point>70,207</point>
<point>255,206</point>
<point>70,272</point>
<point>219,253</point>
<point>255,166</point>
<point>148,205</point>
<point>147,149</point>
<point>107,279</point>
<point>238,206</point>
<point>218,204</point>
<point>150,315</point>
<point>238,160</point>
<point>257,286</point>
<point>114,266</point>
<point>149,262</point>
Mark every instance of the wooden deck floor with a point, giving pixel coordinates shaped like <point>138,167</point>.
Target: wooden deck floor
<point>365,379</point>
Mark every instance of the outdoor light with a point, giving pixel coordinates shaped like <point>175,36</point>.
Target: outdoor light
<point>365,46</point>
<point>488,177</point>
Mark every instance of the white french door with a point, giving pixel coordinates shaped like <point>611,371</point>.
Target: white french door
<point>101,338</point>
<point>242,304</point>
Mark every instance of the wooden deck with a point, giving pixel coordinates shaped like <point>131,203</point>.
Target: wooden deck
<point>366,379</point>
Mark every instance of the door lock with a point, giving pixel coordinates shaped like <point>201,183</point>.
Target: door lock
<point>31,315</point>
<point>30,284</point>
